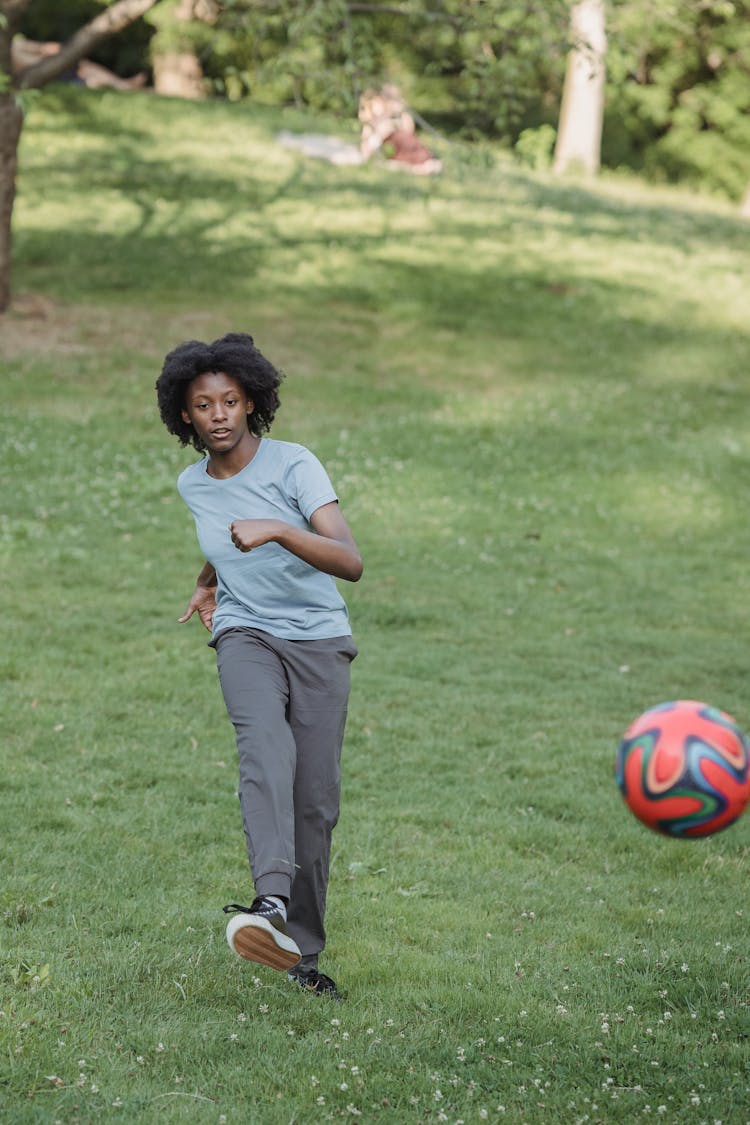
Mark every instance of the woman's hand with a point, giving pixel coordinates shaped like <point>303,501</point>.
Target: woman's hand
<point>203,602</point>
<point>329,547</point>
<point>247,534</point>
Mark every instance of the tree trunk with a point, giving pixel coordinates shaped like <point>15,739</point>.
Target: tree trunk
<point>579,134</point>
<point>177,72</point>
<point>116,17</point>
<point>11,121</point>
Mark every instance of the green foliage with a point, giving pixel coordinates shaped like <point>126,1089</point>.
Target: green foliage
<point>678,96</point>
<point>483,64</point>
<point>534,147</point>
<point>679,91</point>
<point>533,400</point>
<point>179,35</point>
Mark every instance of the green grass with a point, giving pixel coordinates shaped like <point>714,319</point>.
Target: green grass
<point>533,399</point>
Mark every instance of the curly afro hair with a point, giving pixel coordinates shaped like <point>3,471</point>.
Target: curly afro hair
<point>234,354</point>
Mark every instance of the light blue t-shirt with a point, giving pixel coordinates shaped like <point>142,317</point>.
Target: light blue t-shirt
<point>267,588</point>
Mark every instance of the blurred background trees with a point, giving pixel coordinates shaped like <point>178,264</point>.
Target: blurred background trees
<point>676,99</point>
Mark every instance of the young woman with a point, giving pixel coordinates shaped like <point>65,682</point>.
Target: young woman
<point>274,538</point>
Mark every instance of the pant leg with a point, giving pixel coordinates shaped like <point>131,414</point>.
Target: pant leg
<point>256,692</point>
<point>318,674</point>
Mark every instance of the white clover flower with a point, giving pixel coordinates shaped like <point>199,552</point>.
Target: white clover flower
<point>344,1086</point>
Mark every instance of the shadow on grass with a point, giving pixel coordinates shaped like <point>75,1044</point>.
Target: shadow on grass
<point>176,241</point>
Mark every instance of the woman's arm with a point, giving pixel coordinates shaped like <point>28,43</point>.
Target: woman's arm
<point>203,601</point>
<point>330,547</point>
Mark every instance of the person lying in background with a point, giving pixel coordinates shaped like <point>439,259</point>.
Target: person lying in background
<point>26,52</point>
<point>387,125</point>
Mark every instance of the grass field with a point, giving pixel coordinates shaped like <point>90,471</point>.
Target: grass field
<point>533,399</point>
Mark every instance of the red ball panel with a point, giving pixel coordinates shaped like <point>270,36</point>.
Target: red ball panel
<point>684,769</point>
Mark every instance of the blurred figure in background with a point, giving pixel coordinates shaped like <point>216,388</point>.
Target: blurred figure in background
<point>387,125</point>
<point>26,52</point>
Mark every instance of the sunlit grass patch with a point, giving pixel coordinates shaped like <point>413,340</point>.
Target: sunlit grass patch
<point>532,398</point>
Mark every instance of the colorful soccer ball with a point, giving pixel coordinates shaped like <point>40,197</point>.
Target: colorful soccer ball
<point>684,769</point>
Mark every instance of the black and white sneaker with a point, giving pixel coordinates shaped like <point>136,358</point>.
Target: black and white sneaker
<point>313,981</point>
<point>258,933</point>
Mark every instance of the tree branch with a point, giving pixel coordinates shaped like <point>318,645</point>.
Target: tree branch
<point>109,22</point>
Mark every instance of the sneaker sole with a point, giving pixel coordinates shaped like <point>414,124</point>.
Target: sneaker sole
<point>255,939</point>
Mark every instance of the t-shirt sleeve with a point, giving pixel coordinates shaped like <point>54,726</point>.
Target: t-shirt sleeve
<point>310,483</point>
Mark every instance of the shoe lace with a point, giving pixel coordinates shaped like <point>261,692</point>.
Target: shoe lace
<point>259,906</point>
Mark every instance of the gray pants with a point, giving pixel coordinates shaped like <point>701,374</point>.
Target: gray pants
<point>287,701</point>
